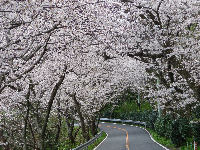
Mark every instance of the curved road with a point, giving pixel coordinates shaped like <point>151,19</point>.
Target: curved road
<point>126,137</point>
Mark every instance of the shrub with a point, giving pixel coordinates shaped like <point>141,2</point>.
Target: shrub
<point>197,112</point>
<point>152,117</point>
<point>163,126</point>
<point>159,126</point>
<point>168,126</point>
<point>181,131</point>
<point>196,131</point>
<point>176,137</point>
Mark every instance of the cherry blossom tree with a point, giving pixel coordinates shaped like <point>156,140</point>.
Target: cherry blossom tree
<point>165,35</point>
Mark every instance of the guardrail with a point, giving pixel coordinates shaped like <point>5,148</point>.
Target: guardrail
<point>85,145</point>
<point>124,121</point>
<point>3,144</point>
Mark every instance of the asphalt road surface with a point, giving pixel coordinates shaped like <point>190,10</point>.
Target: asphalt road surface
<point>126,137</point>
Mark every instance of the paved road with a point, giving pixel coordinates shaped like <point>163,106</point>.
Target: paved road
<point>126,137</point>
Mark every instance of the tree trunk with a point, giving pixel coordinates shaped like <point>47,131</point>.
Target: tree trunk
<point>83,127</point>
<point>70,131</point>
<point>59,123</point>
<point>32,133</point>
<point>26,119</point>
<point>93,126</point>
<point>52,97</point>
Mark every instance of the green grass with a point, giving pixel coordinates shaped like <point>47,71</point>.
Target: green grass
<point>98,141</point>
<point>167,142</point>
<point>162,140</point>
<point>189,147</point>
<point>67,146</point>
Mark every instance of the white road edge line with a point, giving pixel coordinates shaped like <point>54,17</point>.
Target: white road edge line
<point>153,139</point>
<point>101,142</point>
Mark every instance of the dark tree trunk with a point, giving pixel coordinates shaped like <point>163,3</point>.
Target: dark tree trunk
<point>70,131</point>
<point>59,123</point>
<point>52,97</point>
<point>83,126</point>
<point>32,133</point>
<point>93,127</point>
<point>26,118</point>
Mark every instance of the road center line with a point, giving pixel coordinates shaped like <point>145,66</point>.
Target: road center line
<point>127,140</point>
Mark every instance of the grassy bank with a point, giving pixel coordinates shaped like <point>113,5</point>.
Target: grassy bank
<point>98,141</point>
<point>167,142</point>
<point>162,140</point>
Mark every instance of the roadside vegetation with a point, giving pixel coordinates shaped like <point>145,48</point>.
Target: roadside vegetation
<point>168,143</point>
<point>67,141</point>
<point>66,145</point>
<point>98,141</point>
